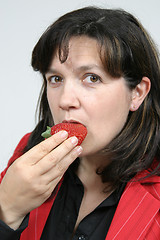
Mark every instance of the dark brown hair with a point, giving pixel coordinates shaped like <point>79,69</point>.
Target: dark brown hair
<point>128,51</point>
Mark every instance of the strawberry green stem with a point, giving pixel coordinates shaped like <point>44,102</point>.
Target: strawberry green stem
<point>47,133</point>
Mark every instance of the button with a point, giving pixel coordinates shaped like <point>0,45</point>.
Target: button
<point>82,237</point>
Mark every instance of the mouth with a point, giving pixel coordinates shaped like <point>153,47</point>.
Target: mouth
<point>72,121</point>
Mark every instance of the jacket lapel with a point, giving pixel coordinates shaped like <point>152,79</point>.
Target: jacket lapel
<point>135,212</point>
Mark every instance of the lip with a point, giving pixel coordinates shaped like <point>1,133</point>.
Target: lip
<point>72,121</point>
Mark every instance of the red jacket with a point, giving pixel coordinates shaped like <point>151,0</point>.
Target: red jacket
<point>137,215</point>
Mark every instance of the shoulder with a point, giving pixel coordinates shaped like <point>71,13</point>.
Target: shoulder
<point>148,184</point>
<point>152,186</point>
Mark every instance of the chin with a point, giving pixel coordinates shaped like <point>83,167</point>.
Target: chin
<point>88,152</point>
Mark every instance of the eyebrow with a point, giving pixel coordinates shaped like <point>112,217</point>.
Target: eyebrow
<point>88,67</point>
<point>81,68</point>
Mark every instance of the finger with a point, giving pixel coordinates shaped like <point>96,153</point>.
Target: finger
<point>55,156</point>
<point>42,149</point>
<point>55,173</point>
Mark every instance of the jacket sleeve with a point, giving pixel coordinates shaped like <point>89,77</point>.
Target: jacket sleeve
<point>6,233</point>
<point>17,153</point>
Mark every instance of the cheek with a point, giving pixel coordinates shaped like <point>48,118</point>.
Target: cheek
<point>52,103</point>
<point>108,117</point>
<point>49,98</point>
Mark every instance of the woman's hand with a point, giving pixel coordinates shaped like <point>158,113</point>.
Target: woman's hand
<point>30,180</point>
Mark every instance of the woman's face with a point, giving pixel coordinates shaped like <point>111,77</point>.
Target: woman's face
<point>80,90</point>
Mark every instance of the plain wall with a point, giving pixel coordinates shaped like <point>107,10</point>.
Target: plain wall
<point>21,25</point>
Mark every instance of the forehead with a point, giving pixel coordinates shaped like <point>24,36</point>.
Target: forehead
<point>80,49</point>
<point>83,43</point>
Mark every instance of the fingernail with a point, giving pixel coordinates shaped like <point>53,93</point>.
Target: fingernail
<point>79,149</point>
<point>74,140</point>
<point>64,134</point>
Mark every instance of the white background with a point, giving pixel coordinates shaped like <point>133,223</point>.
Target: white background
<point>21,24</point>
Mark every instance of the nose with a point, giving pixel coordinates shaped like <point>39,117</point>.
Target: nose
<point>70,96</point>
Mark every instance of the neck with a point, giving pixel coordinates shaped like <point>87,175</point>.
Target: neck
<point>92,162</point>
<point>87,172</point>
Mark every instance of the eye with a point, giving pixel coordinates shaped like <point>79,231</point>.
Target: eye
<point>55,79</point>
<point>92,78</point>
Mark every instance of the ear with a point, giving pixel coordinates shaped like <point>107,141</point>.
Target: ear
<point>139,93</point>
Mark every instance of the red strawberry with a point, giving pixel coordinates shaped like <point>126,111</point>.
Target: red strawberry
<point>73,129</point>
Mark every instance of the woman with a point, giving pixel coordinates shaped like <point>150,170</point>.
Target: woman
<point>101,69</point>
